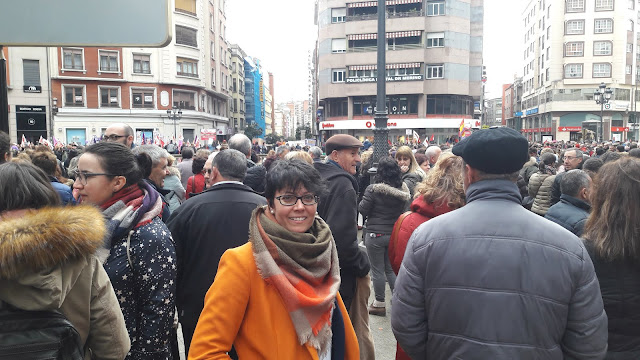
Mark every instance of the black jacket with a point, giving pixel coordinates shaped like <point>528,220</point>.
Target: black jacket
<point>411,179</point>
<point>570,213</point>
<point>338,208</point>
<point>620,286</point>
<point>382,205</point>
<point>492,280</point>
<point>203,228</point>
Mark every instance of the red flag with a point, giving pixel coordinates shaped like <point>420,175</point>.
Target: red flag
<point>389,141</point>
<point>432,137</point>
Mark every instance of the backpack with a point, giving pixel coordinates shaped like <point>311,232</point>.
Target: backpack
<point>37,335</point>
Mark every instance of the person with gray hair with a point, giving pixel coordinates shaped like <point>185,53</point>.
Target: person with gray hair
<point>316,153</point>
<point>256,176</point>
<point>281,151</point>
<point>201,242</point>
<point>433,153</point>
<point>155,172</point>
<point>573,209</point>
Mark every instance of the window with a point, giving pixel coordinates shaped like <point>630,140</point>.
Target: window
<point>142,98</point>
<point>449,105</point>
<point>73,95</point>
<point>109,96</point>
<point>212,23</point>
<point>338,76</point>
<point>601,48</point>
<point>573,71</point>
<point>221,55</point>
<point>108,61</point>
<point>435,71</point>
<point>234,86</point>
<point>338,107</point>
<point>184,100</point>
<point>548,53</point>
<point>435,8</point>
<point>338,46</point>
<point>31,72</point>
<point>141,64</point>
<point>186,36</point>
<point>187,67</point>
<point>574,49</point>
<point>603,26</point>
<point>601,70</point>
<point>338,15</point>
<point>213,50</point>
<point>574,6</point>
<point>604,5</point>
<point>574,27</point>
<point>627,69</point>
<point>435,40</point>
<point>73,59</point>
<point>213,77</point>
<point>187,6</point>
<point>629,47</point>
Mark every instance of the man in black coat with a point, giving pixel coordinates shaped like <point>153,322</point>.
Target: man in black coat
<point>339,209</point>
<point>204,227</point>
<point>573,209</point>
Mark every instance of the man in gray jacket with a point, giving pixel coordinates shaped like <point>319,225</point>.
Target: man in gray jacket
<point>492,280</point>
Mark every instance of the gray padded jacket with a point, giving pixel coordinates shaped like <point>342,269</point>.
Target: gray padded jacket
<point>492,280</point>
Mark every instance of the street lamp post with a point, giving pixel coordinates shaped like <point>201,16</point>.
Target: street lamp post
<point>602,95</point>
<point>174,113</point>
<point>381,133</point>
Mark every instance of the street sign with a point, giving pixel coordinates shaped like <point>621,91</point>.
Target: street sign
<point>569,128</point>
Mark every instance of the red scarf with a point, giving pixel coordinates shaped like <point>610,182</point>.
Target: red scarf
<point>131,196</point>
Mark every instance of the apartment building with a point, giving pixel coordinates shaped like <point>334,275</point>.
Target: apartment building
<point>513,105</point>
<point>433,66</point>
<point>569,48</point>
<point>94,87</point>
<point>237,118</point>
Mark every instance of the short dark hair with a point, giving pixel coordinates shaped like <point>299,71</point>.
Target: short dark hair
<point>635,152</point>
<point>187,153</point>
<point>290,175</point>
<point>198,164</point>
<point>600,150</point>
<point>25,186</point>
<point>232,164</point>
<point>573,181</point>
<point>5,145</point>
<point>610,156</point>
<point>116,158</point>
<point>547,159</point>
<point>593,165</point>
<point>46,161</point>
<point>389,172</point>
<point>620,148</point>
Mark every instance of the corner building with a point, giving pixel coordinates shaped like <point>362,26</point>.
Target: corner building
<point>433,66</point>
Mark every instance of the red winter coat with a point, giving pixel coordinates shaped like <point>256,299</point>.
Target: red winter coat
<point>198,181</point>
<point>420,212</point>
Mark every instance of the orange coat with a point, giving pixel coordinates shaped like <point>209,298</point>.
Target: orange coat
<point>241,309</point>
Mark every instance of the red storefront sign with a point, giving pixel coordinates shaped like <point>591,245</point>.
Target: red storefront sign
<point>369,124</point>
<point>569,128</point>
<point>619,129</point>
<point>327,125</point>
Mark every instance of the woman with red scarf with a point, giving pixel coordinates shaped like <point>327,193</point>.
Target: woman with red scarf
<point>440,192</point>
<point>276,297</point>
<point>140,257</point>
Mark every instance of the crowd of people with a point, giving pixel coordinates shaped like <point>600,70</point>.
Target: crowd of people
<point>493,248</point>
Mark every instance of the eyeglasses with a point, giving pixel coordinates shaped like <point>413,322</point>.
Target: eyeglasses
<point>569,157</point>
<point>208,171</point>
<point>112,137</point>
<point>83,176</point>
<point>290,200</point>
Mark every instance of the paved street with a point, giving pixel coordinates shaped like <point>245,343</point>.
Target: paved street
<point>383,338</point>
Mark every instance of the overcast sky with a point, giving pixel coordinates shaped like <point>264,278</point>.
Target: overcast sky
<point>281,33</point>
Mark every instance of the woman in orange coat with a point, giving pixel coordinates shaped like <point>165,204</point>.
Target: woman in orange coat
<point>440,192</point>
<point>276,297</point>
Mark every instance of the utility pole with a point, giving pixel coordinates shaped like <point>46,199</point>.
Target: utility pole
<point>4,94</point>
<point>381,133</point>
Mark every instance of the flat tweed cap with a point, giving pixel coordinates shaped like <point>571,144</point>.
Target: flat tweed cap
<point>341,141</point>
<point>494,151</point>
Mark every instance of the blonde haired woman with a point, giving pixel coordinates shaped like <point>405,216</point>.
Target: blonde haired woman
<point>412,174</point>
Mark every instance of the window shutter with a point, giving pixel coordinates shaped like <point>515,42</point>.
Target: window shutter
<point>31,72</point>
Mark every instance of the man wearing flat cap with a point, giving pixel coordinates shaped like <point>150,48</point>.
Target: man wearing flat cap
<point>492,280</point>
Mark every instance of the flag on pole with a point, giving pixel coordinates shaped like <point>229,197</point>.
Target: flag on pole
<point>144,140</point>
<point>24,141</point>
<point>432,137</point>
<point>196,142</point>
<point>416,137</point>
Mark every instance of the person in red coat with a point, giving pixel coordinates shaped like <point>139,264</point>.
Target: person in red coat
<point>195,184</point>
<point>440,192</point>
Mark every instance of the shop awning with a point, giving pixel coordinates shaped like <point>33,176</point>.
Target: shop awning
<point>388,66</point>
<point>375,3</point>
<point>391,35</point>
